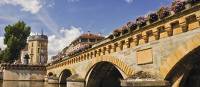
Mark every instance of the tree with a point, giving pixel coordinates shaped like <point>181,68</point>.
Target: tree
<point>15,38</point>
<point>26,57</point>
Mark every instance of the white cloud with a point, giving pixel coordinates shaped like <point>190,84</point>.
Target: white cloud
<point>57,43</point>
<point>51,5</point>
<point>72,0</point>
<point>129,1</point>
<point>2,46</point>
<point>32,6</point>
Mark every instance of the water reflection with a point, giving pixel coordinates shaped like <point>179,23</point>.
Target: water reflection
<point>28,84</point>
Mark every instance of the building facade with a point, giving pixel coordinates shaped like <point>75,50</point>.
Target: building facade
<point>38,49</point>
<point>83,42</point>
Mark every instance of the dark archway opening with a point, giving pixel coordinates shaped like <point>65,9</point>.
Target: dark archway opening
<point>50,74</point>
<point>189,67</point>
<point>193,77</point>
<point>104,74</point>
<point>64,75</point>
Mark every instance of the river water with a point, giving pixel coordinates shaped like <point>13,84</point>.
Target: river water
<point>28,84</point>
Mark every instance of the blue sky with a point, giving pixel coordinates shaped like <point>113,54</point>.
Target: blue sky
<point>64,20</point>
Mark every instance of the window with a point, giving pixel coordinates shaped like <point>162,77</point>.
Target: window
<point>84,40</point>
<point>191,19</point>
<point>98,39</point>
<point>38,50</point>
<point>92,40</point>
<point>32,44</point>
<point>175,25</point>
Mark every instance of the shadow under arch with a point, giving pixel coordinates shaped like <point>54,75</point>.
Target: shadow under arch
<point>189,68</point>
<point>64,75</point>
<point>104,74</point>
<point>50,74</point>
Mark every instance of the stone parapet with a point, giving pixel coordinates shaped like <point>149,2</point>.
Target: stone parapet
<point>19,72</point>
<point>22,67</point>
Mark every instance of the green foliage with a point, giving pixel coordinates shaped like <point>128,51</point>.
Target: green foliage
<point>15,38</point>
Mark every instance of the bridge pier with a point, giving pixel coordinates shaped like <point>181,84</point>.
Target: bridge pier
<point>46,78</point>
<point>145,83</point>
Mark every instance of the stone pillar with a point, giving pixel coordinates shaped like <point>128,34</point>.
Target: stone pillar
<point>184,27</point>
<point>169,30</point>
<point>145,37</point>
<point>156,34</point>
<point>121,45</point>
<point>46,78</point>
<point>109,49</point>
<point>75,83</point>
<point>127,43</point>
<point>183,24</point>
<point>136,40</point>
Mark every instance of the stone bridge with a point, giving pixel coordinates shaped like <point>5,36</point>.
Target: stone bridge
<point>167,51</point>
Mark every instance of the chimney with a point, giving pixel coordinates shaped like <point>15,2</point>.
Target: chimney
<point>88,32</point>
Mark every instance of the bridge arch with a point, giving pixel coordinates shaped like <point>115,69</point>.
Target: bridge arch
<point>182,63</point>
<point>50,74</point>
<point>125,69</point>
<point>104,74</point>
<point>64,75</point>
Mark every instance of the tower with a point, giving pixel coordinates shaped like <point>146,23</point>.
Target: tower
<point>38,49</point>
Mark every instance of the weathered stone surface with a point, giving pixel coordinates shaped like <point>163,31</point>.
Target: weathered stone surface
<point>75,83</point>
<point>53,81</point>
<point>23,72</point>
<point>144,83</point>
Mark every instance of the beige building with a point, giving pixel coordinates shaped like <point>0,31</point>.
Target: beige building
<point>38,49</point>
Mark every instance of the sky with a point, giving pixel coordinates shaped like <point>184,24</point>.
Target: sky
<point>64,20</point>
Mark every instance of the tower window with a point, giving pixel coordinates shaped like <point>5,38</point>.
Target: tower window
<point>92,40</point>
<point>32,44</point>
<point>84,40</point>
